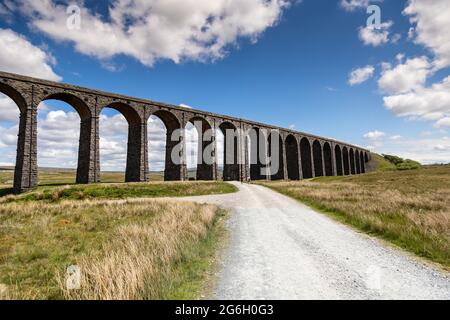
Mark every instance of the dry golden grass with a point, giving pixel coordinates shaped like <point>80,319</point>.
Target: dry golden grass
<point>126,249</point>
<point>411,209</point>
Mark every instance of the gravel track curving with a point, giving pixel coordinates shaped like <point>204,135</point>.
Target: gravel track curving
<point>281,249</point>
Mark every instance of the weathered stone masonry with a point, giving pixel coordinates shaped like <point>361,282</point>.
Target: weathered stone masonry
<point>301,155</point>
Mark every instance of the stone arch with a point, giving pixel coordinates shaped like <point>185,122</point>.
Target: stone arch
<point>130,113</point>
<point>258,149</point>
<point>338,157</point>
<point>366,157</point>
<point>346,161</point>
<point>87,169</point>
<point>352,161</point>
<point>361,159</point>
<point>230,150</point>
<point>136,162</point>
<point>278,171</point>
<point>318,159</point>
<point>305,154</point>
<point>14,95</point>
<point>357,162</point>
<point>205,166</point>
<point>173,170</point>
<point>292,159</point>
<point>328,159</point>
<point>75,102</point>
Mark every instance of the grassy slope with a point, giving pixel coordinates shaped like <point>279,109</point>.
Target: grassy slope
<point>381,164</point>
<point>409,208</point>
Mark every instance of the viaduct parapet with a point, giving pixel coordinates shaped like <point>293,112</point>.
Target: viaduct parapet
<point>301,155</point>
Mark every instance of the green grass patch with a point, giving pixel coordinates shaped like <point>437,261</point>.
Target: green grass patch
<point>124,190</point>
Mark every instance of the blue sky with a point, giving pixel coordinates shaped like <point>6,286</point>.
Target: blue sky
<point>289,65</point>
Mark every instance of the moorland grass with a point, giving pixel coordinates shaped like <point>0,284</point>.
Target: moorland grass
<point>133,249</point>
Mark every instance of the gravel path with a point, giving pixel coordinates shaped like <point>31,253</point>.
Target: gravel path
<point>281,249</point>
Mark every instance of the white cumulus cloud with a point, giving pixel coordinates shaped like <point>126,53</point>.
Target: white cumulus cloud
<point>361,75</point>
<point>374,135</point>
<point>149,30</point>
<point>431,27</point>
<point>406,76</point>
<point>405,85</point>
<point>429,103</point>
<point>351,5</point>
<point>18,55</point>
<point>376,36</point>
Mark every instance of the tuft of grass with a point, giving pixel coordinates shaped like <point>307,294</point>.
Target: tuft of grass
<point>409,208</point>
<point>128,249</point>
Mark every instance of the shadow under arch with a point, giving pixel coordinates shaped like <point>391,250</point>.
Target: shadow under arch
<point>230,152</point>
<point>338,157</point>
<point>363,164</point>
<point>318,159</point>
<point>276,155</point>
<point>328,159</point>
<point>258,153</point>
<point>292,159</point>
<point>357,162</point>
<point>345,156</point>
<point>173,170</point>
<point>305,154</point>
<point>352,161</point>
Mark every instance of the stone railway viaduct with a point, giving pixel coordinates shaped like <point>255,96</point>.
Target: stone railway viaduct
<point>302,155</point>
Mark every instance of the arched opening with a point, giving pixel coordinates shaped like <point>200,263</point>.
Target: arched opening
<point>172,159</point>
<point>199,148</point>
<point>292,160</point>
<point>191,151</point>
<point>352,162</point>
<point>63,140</point>
<point>156,133</point>
<point>328,159</point>
<point>357,162</point>
<point>363,165</point>
<point>258,154</point>
<point>120,143</point>
<point>346,161</point>
<point>276,156</point>
<point>9,128</point>
<point>366,157</point>
<point>338,156</point>
<point>318,161</point>
<point>229,152</point>
<point>305,153</point>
